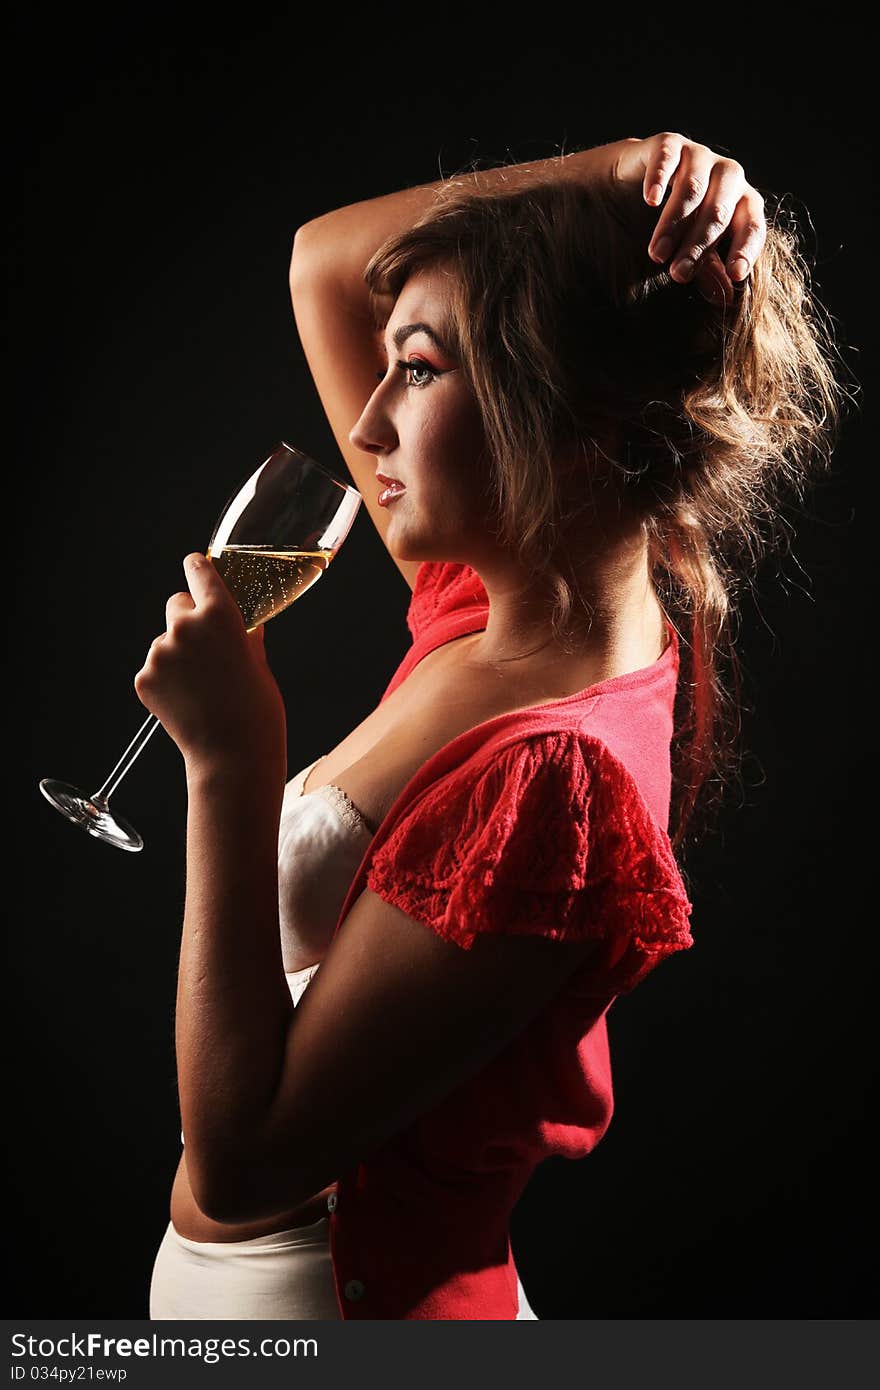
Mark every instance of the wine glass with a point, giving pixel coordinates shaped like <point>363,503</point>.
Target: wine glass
<point>275,538</point>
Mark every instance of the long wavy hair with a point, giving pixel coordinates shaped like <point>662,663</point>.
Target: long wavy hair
<point>589,362</point>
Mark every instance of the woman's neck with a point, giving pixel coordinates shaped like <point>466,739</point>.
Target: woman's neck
<point>618,618</point>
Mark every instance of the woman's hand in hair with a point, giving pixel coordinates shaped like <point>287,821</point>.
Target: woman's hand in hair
<point>709,198</point>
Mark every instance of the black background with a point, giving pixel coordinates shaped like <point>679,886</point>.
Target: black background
<point>158,170</point>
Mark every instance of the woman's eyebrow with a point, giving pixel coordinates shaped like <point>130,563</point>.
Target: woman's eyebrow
<point>406,330</point>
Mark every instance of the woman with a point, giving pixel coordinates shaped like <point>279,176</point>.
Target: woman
<point>571,443</point>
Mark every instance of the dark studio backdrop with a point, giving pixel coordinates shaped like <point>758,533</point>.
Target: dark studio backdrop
<point>159,171</point>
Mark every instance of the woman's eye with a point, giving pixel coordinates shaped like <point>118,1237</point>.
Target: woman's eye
<point>414,366</point>
<point>409,368</point>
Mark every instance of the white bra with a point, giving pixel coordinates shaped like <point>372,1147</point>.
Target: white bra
<point>322,839</point>
<point>350,814</point>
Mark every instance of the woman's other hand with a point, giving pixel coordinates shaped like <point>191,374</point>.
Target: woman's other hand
<point>209,682</point>
<point>709,195</point>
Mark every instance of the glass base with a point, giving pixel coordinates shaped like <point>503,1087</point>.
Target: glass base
<point>91,814</point>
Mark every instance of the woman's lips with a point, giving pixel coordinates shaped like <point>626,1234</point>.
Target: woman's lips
<point>389,493</point>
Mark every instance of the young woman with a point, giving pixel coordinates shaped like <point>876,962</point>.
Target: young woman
<point>396,969</point>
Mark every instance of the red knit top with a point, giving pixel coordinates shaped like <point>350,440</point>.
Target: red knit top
<point>550,820</point>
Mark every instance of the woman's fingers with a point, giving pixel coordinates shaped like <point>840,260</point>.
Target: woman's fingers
<point>709,198</point>
<point>177,605</point>
<point>748,233</point>
<point>701,205</point>
<point>661,163</point>
<point>686,194</point>
<point>691,167</point>
<point>711,220</point>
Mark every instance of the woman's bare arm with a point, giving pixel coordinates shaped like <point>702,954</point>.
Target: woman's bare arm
<point>341,242</point>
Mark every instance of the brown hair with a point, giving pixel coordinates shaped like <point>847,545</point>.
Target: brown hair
<point>589,362</point>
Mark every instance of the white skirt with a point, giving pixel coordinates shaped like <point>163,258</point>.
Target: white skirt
<point>287,1275</point>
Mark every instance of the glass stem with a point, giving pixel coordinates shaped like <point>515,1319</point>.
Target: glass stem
<point>137,745</point>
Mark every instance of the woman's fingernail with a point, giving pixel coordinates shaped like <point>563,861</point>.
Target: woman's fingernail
<point>663,248</point>
<point>738,268</point>
<point>684,269</point>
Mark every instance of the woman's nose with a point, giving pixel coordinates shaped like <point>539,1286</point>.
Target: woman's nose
<point>373,433</point>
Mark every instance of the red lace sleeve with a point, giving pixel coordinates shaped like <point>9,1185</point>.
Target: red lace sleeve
<point>550,836</point>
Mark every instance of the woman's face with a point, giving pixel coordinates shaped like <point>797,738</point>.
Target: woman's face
<point>423,426</point>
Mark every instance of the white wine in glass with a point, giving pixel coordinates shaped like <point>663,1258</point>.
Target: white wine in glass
<point>275,538</point>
